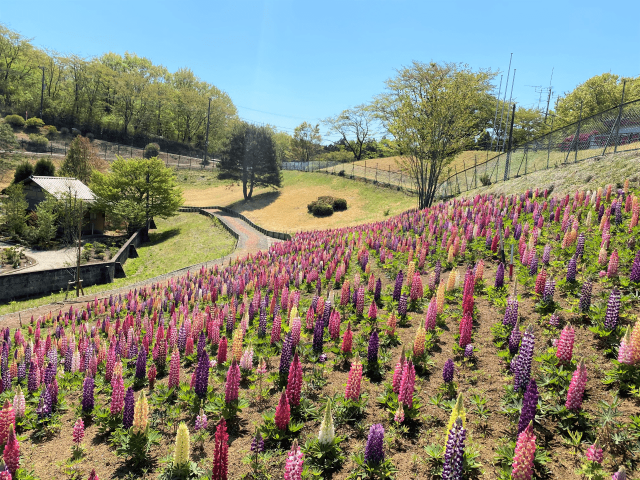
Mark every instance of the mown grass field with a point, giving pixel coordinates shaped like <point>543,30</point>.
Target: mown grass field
<point>178,242</point>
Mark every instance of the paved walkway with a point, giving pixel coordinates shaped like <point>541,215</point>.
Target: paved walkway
<point>47,259</point>
<point>249,241</point>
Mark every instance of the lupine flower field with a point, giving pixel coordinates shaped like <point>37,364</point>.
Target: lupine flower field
<point>488,337</point>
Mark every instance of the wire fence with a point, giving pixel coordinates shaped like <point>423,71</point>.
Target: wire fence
<point>614,130</point>
<point>109,151</point>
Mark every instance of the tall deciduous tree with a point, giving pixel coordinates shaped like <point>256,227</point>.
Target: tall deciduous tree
<point>82,160</point>
<point>136,189</point>
<point>251,156</point>
<point>432,112</point>
<point>306,141</point>
<point>355,127</point>
<point>15,209</point>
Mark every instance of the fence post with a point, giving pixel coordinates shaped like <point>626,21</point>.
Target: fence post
<point>615,149</point>
<point>376,173</point>
<point>549,147</point>
<point>575,159</point>
<point>389,174</point>
<point>365,171</point>
<point>475,169</point>
<point>118,149</point>
<point>464,164</point>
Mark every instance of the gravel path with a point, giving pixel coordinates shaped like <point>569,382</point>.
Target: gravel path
<point>249,241</point>
<point>48,259</point>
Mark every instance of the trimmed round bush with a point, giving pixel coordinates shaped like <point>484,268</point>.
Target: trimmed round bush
<point>16,121</point>
<point>37,142</point>
<point>151,150</point>
<point>321,209</point>
<point>51,130</point>
<point>64,131</point>
<point>339,204</point>
<point>44,168</point>
<point>34,123</point>
<point>75,132</point>
<point>23,171</point>
<point>90,136</point>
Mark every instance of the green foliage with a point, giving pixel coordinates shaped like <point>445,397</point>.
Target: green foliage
<point>81,160</point>
<point>52,131</point>
<point>34,123</point>
<point>23,171</point>
<point>15,207</point>
<point>339,204</point>
<point>38,142</point>
<point>355,126</point>
<point>485,180</point>
<point>16,121</point>
<point>320,209</point>
<point>7,137</point>
<point>251,156</point>
<point>135,447</point>
<point>47,216</point>
<point>151,150</point>
<point>44,168</point>
<point>126,193</point>
<point>306,142</point>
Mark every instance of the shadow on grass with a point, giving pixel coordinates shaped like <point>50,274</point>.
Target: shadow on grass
<point>157,238</point>
<point>257,202</point>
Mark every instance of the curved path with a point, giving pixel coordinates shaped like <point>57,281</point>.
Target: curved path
<point>249,241</point>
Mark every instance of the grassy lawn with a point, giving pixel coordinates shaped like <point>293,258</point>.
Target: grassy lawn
<point>183,240</point>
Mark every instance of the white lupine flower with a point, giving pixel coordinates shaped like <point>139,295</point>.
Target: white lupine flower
<point>327,430</point>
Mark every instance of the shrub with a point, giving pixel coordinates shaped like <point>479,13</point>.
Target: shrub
<point>38,142</point>
<point>44,168</point>
<point>64,131</point>
<point>24,171</point>
<point>341,173</point>
<point>34,123</point>
<point>16,121</point>
<point>75,132</point>
<point>485,180</point>
<point>339,204</point>
<point>52,131</point>
<point>90,136</point>
<point>151,150</point>
<point>321,209</point>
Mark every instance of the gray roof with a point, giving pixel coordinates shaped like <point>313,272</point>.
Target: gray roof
<point>59,186</point>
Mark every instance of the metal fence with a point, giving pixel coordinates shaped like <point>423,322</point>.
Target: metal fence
<point>614,130</point>
<point>109,151</point>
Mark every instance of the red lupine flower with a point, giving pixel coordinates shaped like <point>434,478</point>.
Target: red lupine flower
<point>220,453</point>
<point>283,412</point>
<point>294,382</point>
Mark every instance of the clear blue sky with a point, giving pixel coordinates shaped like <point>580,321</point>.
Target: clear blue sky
<point>283,62</point>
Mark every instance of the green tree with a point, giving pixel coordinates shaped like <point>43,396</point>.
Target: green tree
<point>7,138</point>
<point>355,127</point>
<point>81,160</point>
<point>23,171</point>
<point>251,156</point>
<point>306,142</point>
<point>432,112</point>
<point>528,123</point>
<point>47,215</point>
<point>136,189</point>
<point>15,209</point>
<point>44,168</point>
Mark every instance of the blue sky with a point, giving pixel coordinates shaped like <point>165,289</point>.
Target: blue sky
<point>286,61</point>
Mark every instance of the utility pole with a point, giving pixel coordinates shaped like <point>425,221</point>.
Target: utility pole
<point>510,97</point>
<point>206,141</point>
<point>506,167</point>
<point>495,117</point>
<point>42,93</point>
<point>505,96</point>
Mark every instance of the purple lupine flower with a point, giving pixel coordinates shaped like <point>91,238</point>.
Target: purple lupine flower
<point>514,339</point>
<point>522,372</point>
<point>618,218</point>
<point>257,444</point>
<point>374,451</point>
<point>285,355</point>
<point>511,312</point>
<point>585,296</point>
<point>529,403</point>
<point>634,275</point>
<point>554,320</point>
<point>44,405</point>
<point>580,245</point>
<point>437,271</point>
<point>127,411</point>
<point>549,291</point>
<point>53,393</point>
<point>141,364</point>
<point>326,313</point>
<point>201,422</point>
<point>378,291</point>
<point>6,379</point>
<point>572,269</point>
<point>546,254</point>
<point>402,305</point>
<point>202,343</point>
<point>468,350</point>
<point>499,283</point>
<point>262,323</point>
<point>202,375</point>
<point>613,310</point>
<point>88,399</point>
<point>454,452</point>
<point>447,370</point>
<point>397,289</point>
<point>182,337</point>
<point>533,265</point>
<point>318,334</point>
<point>231,322</point>
<point>372,349</point>
<point>22,371</point>
<point>32,382</point>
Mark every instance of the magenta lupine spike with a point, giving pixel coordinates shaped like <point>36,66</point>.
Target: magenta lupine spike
<point>612,268</point>
<point>432,313</point>
<point>466,326</point>
<point>283,412</point>
<point>417,290</point>
<point>540,281</point>
<point>397,373</point>
<point>576,387</point>
<point>373,311</point>
<point>524,454</point>
<point>232,386</point>
<point>621,474</point>
<point>11,455</point>
<point>294,382</point>
<point>334,325</point>
<point>294,464</point>
<point>174,369</point>
<point>354,381</point>
<point>634,274</point>
<point>347,340</point>
<point>360,301</point>
<point>276,328</point>
<point>594,453</point>
<point>78,431</point>
<point>117,395</point>
<point>296,326</point>
<point>565,344</point>
<point>405,396</point>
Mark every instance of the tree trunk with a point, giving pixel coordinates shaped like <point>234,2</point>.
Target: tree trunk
<point>244,184</point>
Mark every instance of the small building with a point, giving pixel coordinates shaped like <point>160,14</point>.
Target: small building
<point>36,188</point>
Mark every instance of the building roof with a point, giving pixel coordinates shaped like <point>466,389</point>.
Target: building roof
<point>60,186</point>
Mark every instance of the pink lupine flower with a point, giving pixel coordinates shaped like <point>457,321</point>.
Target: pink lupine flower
<point>594,453</point>
<point>7,419</point>
<point>565,344</point>
<point>11,453</point>
<point>334,325</point>
<point>294,463</point>
<point>466,325</point>
<point>407,384</point>
<point>417,290</point>
<point>397,373</point>
<point>283,412</point>
<point>19,404</point>
<point>294,381</point>
<point>275,329</point>
<point>625,352</point>
<point>373,311</point>
<point>347,340</point>
<point>232,386</point>
<point>432,314</point>
<point>576,387</point>
<point>78,431</point>
<point>612,268</point>
<point>524,454</point>
<point>117,395</point>
<point>391,324</point>
<point>174,369</point>
<point>296,326</point>
<point>354,381</point>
